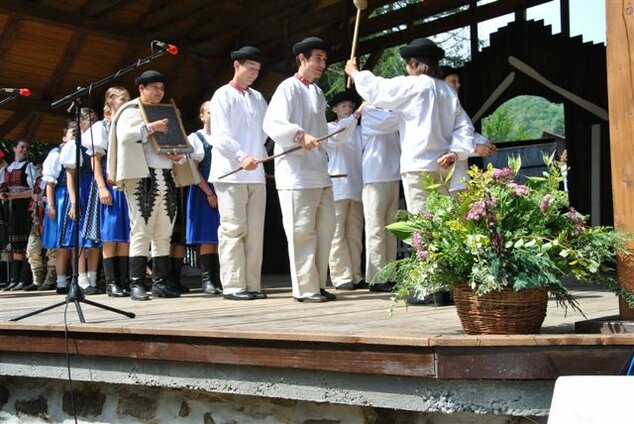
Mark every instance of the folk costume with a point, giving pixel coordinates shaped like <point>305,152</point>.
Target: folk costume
<point>344,158</point>
<point>304,187</point>
<point>381,152</point>
<point>202,220</point>
<point>237,114</point>
<point>148,182</point>
<point>432,121</point>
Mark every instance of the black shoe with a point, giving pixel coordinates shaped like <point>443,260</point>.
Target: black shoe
<point>381,287</point>
<point>162,289</point>
<point>210,289</point>
<point>11,286</point>
<point>137,292</point>
<point>92,290</point>
<point>46,286</point>
<point>346,286</point>
<point>30,287</point>
<point>328,296</point>
<point>315,298</point>
<point>258,294</point>
<point>361,285</point>
<point>427,300</point>
<point>62,290</point>
<point>20,286</point>
<point>243,295</point>
<point>114,290</point>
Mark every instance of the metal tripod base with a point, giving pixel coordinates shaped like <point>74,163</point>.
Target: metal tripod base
<point>75,295</point>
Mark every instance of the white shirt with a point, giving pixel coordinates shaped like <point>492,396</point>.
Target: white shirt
<point>432,121</point>
<point>297,108</point>
<point>130,127</point>
<point>95,139</point>
<point>462,166</point>
<point>199,150</point>
<point>52,166</point>
<point>67,155</point>
<point>381,145</point>
<point>344,157</point>
<point>236,117</point>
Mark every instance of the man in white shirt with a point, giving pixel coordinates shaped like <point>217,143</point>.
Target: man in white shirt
<point>147,180</point>
<point>434,130</point>
<point>237,112</point>
<point>344,159</point>
<point>296,116</point>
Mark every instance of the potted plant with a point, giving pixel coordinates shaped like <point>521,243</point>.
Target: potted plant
<point>501,246</point>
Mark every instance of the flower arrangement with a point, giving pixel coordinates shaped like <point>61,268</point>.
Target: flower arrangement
<point>499,233</point>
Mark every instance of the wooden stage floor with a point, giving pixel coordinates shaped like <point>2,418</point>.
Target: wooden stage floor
<point>424,341</point>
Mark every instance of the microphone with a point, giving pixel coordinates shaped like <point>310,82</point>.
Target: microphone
<point>169,48</point>
<point>19,91</point>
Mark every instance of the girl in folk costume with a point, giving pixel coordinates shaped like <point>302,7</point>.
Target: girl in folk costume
<point>54,177</point>
<point>110,223</point>
<point>4,232</point>
<point>87,279</point>
<point>203,218</point>
<point>18,183</point>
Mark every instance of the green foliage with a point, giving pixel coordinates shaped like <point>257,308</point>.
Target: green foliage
<point>524,118</point>
<point>37,152</point>
<point>497,233</point>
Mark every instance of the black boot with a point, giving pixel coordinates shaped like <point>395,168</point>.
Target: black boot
<point>206,264</point>
<point>123,266</point>
<point>215,271</point>
<point>177,266</point>
<point>161,284</point>
<point>16,272</point>
<point>137,278</point>
<point>4,277</point>
<point>113,288</point>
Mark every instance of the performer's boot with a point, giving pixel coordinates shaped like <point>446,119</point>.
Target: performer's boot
<point>177,266</point>
<point>49,281</point>
<point>137,278</point>
<point>4,277</point>
<point>38,279</point>
<point>113,287</point>
<point>26,277</point>
<point>161,284</point>
<point>215,271</point>
<point>16,272</point>
<point>206,264</point>
<point>123,266</point>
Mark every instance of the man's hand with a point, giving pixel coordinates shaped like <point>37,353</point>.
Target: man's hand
<point>484,150</point>
<point>159,126</point>
<point>309,142</point>
<point>248,163</point>
<point>351,66</point>
<point>446,160</point>
<point>174,156</point>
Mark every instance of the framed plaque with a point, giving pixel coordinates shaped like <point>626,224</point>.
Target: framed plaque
<point>176,139</point>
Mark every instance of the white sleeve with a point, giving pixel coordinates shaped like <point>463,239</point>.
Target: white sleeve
<point>377,121</point>
<point>32,174</point>
<point>52,167</point>
<point>130,126</point>
<point>67,155</point>
<point>383,92</point>
<point>199,152</point>
<point>220,114</point>
<point>93,139</point>
<point>277,122</point>
<point>349,124</point>
<point>462,136</point>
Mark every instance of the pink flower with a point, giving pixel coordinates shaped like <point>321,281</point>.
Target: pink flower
<point>476,211</point>
<point>422,254</point>
<point>503,174</point>
<point>519,189</point>
<point>545,203</point>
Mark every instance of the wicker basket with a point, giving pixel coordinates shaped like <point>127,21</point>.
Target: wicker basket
<point>503,312</point>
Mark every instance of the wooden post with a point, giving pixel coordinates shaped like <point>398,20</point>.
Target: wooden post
<point>620,61</point>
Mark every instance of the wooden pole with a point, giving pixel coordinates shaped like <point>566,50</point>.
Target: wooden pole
<point>620,61</point>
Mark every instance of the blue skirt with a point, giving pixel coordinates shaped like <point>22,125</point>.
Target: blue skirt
<point>202,220</point>
<point>50,232</point>
<point>115,219</point>
<point>68,227</point>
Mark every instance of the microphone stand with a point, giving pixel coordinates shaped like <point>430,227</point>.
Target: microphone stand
<point>8,99</point>
<point>75,292</point>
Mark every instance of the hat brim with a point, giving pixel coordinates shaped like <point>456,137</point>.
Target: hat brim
<point>149,80</point>
<point>435,52</point>
<point>302,47</point>
<point>237,55</point>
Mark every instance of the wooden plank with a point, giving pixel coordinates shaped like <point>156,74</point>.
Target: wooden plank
<point>100,7</point>
<point>14,120</point>
<point>64,64</point>
<point>620,61</point>
<point>31,127</point>
<point>9,34</point>
<point>534,363</point>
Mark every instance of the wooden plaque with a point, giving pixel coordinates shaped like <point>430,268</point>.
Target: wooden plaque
<point>176,139</point>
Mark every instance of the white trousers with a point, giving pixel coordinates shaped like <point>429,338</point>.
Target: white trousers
<point>308,216</point>
<point>152,207</point>
<point>347,243</point>
<point>380,204</point>
<point>241,235</point>
<point>415,195</point>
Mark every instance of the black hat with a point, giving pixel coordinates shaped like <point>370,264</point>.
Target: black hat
<point>422,47</point>
<point>148,77</point>
<point>310,43</point>
<point>342,96</point>
<point>446,70</point>
<point>248,53</point>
